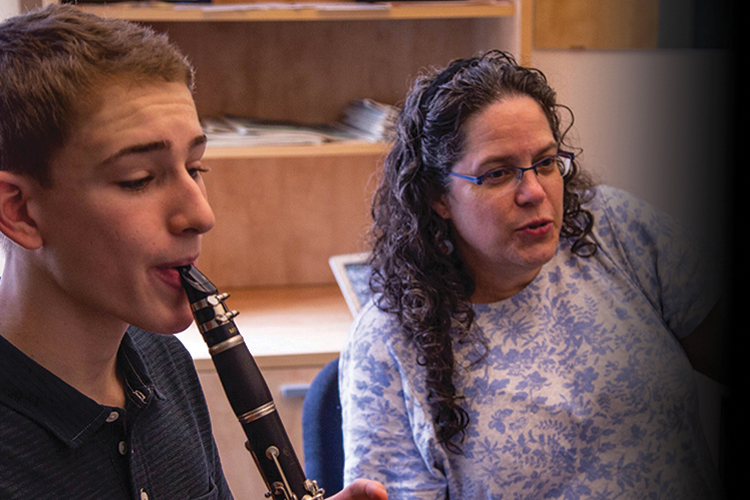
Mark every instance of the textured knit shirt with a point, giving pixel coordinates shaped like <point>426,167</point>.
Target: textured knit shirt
<point>576,387</point>
<point>56,443</point>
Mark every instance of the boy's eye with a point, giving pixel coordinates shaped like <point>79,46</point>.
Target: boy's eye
<point>196,172</point>
<point>137,184</point>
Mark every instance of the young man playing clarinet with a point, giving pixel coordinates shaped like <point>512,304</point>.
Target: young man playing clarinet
<point>101,199</point>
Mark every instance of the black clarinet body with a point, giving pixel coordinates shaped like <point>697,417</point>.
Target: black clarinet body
<point>247,392</point>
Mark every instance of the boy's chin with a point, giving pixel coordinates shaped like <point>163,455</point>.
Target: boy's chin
<point>168,327</point>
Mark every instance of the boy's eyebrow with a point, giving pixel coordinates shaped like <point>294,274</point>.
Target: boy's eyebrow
<point>152,146</point>
<point>198,141</point>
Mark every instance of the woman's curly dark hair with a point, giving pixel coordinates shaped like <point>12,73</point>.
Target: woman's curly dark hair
<point>427,288</point>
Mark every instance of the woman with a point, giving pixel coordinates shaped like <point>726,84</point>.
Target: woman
<point>523,337</point>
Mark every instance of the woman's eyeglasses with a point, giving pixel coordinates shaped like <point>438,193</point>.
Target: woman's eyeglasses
<point>548,165</point>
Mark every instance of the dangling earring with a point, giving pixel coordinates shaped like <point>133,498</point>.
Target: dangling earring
<point>446,246</point>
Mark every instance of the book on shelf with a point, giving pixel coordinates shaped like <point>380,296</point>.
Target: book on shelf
<point>363,119</point>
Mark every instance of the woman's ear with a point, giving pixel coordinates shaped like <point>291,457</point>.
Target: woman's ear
<point>16,223</point>
<point>442,207</point>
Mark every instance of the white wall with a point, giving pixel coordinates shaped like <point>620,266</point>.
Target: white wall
<point>9,8</point>
<point>652,122</point>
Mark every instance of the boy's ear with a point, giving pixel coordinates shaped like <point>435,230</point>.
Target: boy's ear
<point>15,220</point>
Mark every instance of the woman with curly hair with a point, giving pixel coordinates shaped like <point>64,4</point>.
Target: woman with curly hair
<point>524,338</point>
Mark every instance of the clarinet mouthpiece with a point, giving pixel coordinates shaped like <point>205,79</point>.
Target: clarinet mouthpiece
<point>195,283</point>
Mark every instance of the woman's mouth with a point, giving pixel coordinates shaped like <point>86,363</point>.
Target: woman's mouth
<point>537,228</point>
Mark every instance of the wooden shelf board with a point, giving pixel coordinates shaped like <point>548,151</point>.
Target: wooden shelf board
<point>302,150</point>
<point>333,11</point>
<point>283,326</point>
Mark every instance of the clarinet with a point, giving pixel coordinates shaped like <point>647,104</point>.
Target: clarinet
<point>247,392</point>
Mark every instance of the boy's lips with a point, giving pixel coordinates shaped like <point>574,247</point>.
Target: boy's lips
<point>169,275</point>
<point>168,272</point>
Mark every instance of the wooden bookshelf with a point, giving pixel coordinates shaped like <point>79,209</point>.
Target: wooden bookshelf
<point>303,11</point>
<point>344,148</point>
<point>204,30</point>
<point>282,211</point>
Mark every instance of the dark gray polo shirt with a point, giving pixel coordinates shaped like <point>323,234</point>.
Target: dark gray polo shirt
<point>57,443</point>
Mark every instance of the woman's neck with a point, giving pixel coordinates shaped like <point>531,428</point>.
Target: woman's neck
<point>488,291</point>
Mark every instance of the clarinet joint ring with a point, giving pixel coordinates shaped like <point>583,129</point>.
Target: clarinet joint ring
<point>257,413</point>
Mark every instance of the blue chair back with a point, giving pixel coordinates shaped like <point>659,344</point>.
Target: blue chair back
<point>321,430</point>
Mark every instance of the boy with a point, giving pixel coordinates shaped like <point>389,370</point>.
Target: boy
<point>101,198</point>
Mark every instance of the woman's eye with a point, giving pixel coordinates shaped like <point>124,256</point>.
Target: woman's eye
<point>547,165</point>
<point>499,174</point>
<point>547,162</point>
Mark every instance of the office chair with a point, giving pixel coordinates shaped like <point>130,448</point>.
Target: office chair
<point>321,430</point>
<point>322,439</point>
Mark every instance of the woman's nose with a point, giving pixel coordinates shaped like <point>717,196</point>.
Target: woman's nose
<point>529,190</point>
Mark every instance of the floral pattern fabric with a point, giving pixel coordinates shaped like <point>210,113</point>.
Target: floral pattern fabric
<point>579,388</point>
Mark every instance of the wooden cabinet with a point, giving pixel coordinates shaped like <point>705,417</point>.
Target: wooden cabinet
<point>596,24</point>
<point>292,334</point>
<point>242,475</point>
<point>281,212</point>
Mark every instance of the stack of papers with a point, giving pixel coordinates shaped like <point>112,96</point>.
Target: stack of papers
<point>363,119</point>
<point>233,130</point>
<point>370,120</point>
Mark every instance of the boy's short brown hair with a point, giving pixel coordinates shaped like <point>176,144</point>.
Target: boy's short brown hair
<point>55,65</point>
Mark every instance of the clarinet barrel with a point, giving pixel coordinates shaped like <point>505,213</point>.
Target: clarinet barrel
<point>247,392</point>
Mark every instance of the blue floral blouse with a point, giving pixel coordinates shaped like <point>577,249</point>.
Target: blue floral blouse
<point>582,390</point>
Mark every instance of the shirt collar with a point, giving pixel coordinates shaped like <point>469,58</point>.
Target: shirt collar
<point>38,394</point>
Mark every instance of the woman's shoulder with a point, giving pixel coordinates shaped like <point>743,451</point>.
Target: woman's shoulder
<point>622,215</point>
<point>374,321</point>
<point>610,199</point>
<point>374,333</point>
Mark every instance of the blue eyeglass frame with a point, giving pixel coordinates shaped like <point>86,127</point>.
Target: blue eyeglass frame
<point>521,170</point>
